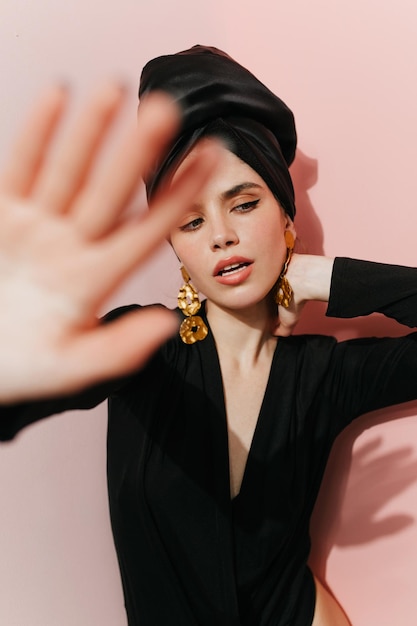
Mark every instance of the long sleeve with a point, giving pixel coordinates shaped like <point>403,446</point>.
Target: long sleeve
<point>371,373</point>
<point>15,417</point>
<point>364,287</point>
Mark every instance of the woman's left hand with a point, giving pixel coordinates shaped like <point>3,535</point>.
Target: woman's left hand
<point>310,277</point>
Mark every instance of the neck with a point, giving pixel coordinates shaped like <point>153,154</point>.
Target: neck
<point>243,334</point>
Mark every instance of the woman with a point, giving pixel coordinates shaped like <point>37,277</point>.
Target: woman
<point>216,448</point>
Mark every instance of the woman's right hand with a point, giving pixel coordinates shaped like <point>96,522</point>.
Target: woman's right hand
<point>66,243</point>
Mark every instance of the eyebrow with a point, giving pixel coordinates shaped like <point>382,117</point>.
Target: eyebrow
<point>234,191</point>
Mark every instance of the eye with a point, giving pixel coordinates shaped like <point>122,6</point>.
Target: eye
<point>193,225</point>
<point>245,207</point>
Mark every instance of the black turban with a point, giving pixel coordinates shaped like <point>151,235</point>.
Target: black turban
<point>220,98</point>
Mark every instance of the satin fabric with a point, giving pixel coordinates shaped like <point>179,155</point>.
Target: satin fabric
<point>220,98</point>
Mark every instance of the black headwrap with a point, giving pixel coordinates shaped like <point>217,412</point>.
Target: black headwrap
<point>220,98</point>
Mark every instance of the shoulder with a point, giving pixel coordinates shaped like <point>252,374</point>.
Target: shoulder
<point>306,358</point>
<point>120,311</point>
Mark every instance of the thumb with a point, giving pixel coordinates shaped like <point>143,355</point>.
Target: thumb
<point>282,330</point>
<point>287,319</point>
<point>118,348</point>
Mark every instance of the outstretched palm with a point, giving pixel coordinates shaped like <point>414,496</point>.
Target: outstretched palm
<point>66,243</point>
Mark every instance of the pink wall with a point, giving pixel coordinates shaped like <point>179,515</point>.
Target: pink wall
<point>348,71</point>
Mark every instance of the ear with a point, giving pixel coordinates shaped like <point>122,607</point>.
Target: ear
<point>289,225</point>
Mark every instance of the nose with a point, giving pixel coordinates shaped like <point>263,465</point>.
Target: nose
<point>223,235</point>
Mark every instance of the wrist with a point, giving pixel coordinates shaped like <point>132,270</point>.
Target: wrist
<point>310,277</point>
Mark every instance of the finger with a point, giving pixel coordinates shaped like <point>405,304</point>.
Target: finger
<point>158,118</point>
<point>65,173</point>
<point>32,143</point>
<point>119,347</point>
<point>285,324</point>
<point>280,330</point>
<point>100,205</point>
<point>133,243</point>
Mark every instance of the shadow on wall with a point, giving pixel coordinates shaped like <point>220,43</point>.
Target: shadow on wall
<point>358,483</point>
<point>304,174</point>
<point>357,486</point>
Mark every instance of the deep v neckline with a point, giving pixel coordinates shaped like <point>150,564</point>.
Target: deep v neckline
<point>257,432</point>
<point>217,392</point>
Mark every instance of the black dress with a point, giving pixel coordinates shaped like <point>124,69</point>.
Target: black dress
<point>188,554</point>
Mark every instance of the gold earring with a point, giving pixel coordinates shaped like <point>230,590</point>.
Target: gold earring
<point>193,327</point>
<point>284,292</point>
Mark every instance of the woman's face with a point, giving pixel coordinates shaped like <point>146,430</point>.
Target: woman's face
<point>232,240</point>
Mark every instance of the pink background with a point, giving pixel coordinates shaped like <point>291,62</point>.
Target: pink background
<point>348,70</point>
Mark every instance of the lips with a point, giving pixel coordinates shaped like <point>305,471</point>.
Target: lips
<point>230,269</point>
<point>231,265</point>
<point>233,271</point>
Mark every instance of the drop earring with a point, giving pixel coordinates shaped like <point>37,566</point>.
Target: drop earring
<point>284,292</point>
<point>193,327</point>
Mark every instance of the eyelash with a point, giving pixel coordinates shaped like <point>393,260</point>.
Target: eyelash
<point>245,207</point>
<point>193,225</point>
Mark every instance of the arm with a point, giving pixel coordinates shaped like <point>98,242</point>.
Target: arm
<point>381,371</point>
<point>367,373</point>
<point>363,287</point>
<point>14,417</point>
<point>352,288</point>
<point>17,415</point>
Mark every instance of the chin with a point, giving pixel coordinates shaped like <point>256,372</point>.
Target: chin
<point>243,301</point>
